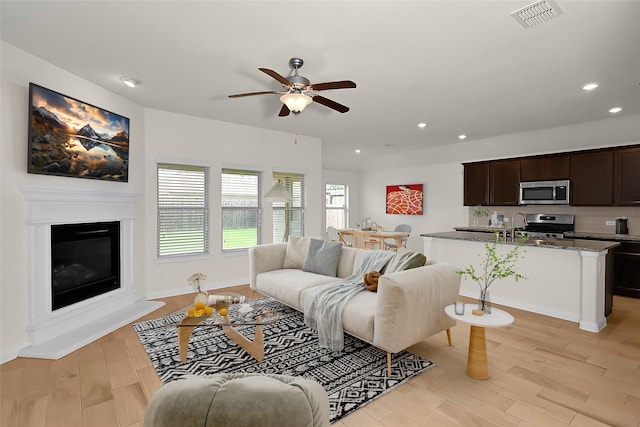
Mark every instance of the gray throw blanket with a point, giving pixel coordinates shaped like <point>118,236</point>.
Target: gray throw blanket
<point>323,305</point>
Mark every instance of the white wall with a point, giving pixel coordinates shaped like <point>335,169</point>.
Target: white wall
<point>217,144</point>
<point>442,203</point>
<point>18,69</point>
<point>440,170</point>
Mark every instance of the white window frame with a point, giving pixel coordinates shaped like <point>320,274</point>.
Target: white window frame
<point>185,193</point>
<point>294,183</point>
<point>344,209</point>
<point>256,208</point>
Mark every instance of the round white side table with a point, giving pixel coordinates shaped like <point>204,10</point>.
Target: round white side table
<point>477,366</point>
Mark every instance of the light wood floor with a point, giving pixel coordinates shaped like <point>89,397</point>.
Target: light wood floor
<point>543,371</point>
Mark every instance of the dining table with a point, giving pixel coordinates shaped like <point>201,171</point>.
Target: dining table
<point>367,239</point>
<point>381,235</point>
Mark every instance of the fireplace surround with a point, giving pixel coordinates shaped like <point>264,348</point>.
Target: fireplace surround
<point>54,333</point>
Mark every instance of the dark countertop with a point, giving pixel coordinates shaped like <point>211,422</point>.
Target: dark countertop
<point>480,229</point>
<point>604,236</point>
<point>568,244</point>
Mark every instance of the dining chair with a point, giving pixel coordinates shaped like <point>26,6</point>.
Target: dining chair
<point>346,239</point>
<point>392,244</point>
<point>333,234</point>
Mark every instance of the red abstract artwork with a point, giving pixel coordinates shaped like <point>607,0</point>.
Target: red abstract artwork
<point>404,199</point>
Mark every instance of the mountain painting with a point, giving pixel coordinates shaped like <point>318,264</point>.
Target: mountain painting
<point>68,137</point>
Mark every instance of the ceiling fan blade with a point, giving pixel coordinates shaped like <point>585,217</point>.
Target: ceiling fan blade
<point>284,111</point>
<point>276,76</point>
<point>238,95</point>
<point>344,84</point>
<point>331,104</point>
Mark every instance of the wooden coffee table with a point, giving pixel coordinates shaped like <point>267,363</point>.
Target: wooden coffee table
<point>255,348</point>
<point>477,366</point>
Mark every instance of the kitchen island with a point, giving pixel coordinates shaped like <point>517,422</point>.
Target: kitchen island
<point>565,277</point>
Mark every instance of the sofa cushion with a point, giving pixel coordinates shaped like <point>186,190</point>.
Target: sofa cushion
<point>359,314</point>
<point>322,257</point>
<point>296,251</point>
<point>405,260</point>
<point>347,258</point>
<point>286,285</point>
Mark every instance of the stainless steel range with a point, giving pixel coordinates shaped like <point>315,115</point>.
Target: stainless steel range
<point>548,226</point>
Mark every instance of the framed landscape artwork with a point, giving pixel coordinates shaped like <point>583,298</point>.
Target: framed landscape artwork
<point>68,137</point>
<point>404,199</point>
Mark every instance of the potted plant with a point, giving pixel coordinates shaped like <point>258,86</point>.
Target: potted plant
<point>479,212</point>
<point>493,266</point>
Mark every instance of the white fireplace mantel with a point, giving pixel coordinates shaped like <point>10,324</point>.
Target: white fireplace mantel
<point>55,333</point>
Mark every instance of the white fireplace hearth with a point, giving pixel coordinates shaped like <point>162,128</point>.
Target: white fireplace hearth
<point>55,333</point>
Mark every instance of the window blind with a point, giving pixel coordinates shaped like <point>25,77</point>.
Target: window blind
<point>183,210</point>
<point>294,183</point>
<point>241,203</point>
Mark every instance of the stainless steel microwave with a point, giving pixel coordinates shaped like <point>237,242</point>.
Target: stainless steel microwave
<point>544,192</point>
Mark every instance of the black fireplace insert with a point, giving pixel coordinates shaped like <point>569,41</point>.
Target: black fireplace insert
<point>85,261</point>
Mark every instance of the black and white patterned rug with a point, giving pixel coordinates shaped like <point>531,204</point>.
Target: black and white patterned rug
<point>351,378</point>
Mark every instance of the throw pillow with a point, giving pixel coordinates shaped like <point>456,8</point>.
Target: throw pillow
<point>296,251</point>
<point>404,261</point>
<point>322,257</point>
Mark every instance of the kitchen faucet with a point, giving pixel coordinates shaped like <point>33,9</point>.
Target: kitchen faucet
<point>513,224</point>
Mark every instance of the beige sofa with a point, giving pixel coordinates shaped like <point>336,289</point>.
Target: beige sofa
<point>408,307</point>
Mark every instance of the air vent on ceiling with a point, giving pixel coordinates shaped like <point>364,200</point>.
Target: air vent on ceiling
<point>536,13</point>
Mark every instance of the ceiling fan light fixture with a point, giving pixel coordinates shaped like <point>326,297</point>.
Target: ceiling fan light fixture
<point>296,102</point>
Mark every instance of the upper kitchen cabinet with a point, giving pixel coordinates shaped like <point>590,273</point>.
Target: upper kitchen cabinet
<point>504,182</point>
<point>544,168</point>
<point>626,176</point>
<point>592,178</point>
<point>476,183</point>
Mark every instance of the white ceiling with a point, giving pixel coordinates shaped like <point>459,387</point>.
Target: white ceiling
<point>460,66</point>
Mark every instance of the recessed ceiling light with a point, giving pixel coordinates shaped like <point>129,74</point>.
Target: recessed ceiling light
<point>130,81</point>
<point>461,137</point>
<point>615,110</point>
<point>590,86</point>
<point>358,151</point>
<point>422,125</point>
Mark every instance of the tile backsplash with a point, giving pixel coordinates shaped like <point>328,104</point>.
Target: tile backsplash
<point>587,219</point>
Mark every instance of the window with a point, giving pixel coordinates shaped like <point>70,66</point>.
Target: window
<point>183,210</point>
<point>336,206</point>
<point>293,211</point>
<point>240,209</point>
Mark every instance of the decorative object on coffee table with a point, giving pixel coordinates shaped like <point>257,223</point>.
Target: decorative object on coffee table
<point>195,281</point>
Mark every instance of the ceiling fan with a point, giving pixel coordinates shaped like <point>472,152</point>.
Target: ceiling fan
<point>299,92</point>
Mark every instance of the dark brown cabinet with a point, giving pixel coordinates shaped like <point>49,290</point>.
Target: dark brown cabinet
<point>627,269</point>
<point>592,178</point>
<point>601,177</point>
<point>476,183</point>
<point>504,182</point>
<point>626,177</point>
<point>544,168</point>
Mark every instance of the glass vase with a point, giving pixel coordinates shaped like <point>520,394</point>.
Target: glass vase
<point>201,296</point>
<point>484,303</point>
